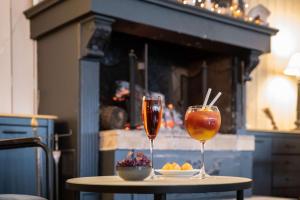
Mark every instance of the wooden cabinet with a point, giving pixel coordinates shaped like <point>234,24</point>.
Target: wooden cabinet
<point>276,163</point>
<point>262,166</point>
<point>286,145</point>
<point>22,171</point>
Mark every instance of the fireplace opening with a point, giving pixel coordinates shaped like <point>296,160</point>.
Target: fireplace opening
<point>181,74</point>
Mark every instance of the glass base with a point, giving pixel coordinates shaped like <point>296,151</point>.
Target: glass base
<point>200,175</point>
<point>152,175</point>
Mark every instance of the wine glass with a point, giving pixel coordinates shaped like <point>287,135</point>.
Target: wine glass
<point>202,123</point>
<point>151,115</point>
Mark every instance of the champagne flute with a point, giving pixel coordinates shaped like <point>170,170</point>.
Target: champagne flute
<point>202,123</point>
<point>151,115</point>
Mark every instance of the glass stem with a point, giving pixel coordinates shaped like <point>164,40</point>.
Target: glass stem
<point>152,166</point>
<point>202,169</point>
<point>151,151</point>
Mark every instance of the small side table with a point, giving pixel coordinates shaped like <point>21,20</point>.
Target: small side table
<point>161,186</point>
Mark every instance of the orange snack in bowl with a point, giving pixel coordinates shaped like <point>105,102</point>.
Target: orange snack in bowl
<point>167,166</point>
<point>175,166</point>
<point>186,166</point>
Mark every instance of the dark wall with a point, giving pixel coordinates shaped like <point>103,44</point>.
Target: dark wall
<point>58,84</point>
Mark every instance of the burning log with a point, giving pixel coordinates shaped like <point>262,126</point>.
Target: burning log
<point>112,117</point>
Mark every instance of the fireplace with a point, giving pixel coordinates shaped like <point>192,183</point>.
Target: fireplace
<point>181,74</point>
<point>83,48</point>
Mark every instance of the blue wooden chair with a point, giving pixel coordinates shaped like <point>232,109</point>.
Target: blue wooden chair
<point>25,143</point>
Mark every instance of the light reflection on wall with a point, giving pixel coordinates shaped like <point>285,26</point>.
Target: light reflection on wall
<point>284,44</point>
<point>279,92</point>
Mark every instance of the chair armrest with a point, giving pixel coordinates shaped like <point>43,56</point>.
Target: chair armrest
<point>32,142</point>
<point>20,143</point>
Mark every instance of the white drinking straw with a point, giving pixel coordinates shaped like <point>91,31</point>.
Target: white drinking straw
<point>215,99</point>
<point>206,97</point>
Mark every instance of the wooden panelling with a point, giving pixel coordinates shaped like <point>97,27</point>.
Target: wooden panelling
<point>269,86</point>
<point>89,107</point>
<point>17,59</point>
<point>23,60</point>
<point>5,62</point>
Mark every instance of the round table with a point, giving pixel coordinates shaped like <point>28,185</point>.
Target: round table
<point>161,186</point>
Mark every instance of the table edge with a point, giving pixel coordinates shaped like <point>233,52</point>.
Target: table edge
<point>159,189</point>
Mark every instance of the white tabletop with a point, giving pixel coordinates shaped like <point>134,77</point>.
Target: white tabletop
<point>114,184</point>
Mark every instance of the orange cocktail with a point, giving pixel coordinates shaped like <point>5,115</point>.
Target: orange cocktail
<point>202,124</point>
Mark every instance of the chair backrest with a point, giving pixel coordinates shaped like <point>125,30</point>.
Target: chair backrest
<point>33,142</point>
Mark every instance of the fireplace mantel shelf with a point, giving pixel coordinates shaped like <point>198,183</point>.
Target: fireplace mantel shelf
<point>155,19</point>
